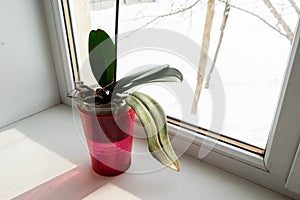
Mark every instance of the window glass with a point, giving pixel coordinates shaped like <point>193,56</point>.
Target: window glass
<point>247,44</point>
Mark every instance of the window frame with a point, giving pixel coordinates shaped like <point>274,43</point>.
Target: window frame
<point>271,170</point>
<point>60,48</point>
<point>280,151</point>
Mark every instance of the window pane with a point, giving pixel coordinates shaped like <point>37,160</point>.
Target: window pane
<point>248,47</point>
<point>87,15</point>
<point>251,62</point>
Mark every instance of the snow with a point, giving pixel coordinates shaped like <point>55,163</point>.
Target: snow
<point>252,62</point>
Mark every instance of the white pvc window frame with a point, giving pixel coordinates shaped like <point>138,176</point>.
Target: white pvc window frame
<point>60,47</point>
<point>277,170</point>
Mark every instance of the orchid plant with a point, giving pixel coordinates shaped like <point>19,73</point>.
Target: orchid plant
<point>109,91</point>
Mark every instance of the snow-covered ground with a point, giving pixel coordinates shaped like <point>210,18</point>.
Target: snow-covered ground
<point>251,63</point>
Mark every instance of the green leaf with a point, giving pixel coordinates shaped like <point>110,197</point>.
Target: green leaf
<point>160,120</point>
<point>154,134</point>
<point>163,73</point>
<point>102,57</point>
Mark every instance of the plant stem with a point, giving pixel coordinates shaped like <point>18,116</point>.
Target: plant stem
<point>116,38</point>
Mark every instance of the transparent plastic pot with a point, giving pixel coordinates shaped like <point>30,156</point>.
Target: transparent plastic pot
<point>109,133</point>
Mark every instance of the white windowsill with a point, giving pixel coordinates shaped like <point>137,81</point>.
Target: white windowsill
<point>67,173</point>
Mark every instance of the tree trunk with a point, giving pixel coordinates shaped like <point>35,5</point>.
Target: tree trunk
<point>280,20</point>
<point>223,25</point>
<point>204,52</point>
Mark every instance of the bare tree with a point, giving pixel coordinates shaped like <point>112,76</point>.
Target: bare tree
<point>190,7</point>
<point>259,18</point>
<point>294,5</point>
<point>286,32</point>
<point>204,52</point>
<point>289,35</point>
<point>223,25</point>
<point>172,13</point>
<point>287,29</point>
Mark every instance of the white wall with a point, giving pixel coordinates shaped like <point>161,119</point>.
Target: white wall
<point>27,78</point>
